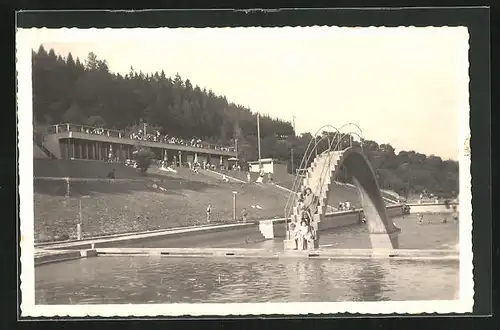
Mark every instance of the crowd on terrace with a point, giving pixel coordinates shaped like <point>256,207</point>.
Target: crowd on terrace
<point>156,136</point>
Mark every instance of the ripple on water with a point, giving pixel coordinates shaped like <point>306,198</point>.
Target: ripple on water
<point>164,280</point>
<point>139,280</point>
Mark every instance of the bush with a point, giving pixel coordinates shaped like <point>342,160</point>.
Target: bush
<point>144,157</point>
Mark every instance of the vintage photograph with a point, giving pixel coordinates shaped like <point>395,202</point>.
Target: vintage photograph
<point>237,171</point>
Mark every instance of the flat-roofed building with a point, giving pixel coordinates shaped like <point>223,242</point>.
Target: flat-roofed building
<point>68,141</point>
<point>269,165</point>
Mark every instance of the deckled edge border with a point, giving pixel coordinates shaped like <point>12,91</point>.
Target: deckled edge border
<point>28,307</point>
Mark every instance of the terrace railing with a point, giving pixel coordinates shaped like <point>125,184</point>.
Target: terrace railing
<point>124,134</point>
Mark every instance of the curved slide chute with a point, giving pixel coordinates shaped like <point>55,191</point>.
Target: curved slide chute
<point>323,172</point>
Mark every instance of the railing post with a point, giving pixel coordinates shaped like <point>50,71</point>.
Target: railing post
<point>57,128</point>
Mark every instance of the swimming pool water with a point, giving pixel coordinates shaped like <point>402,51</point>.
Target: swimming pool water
<point>170,280</point>
<point>135,279</point>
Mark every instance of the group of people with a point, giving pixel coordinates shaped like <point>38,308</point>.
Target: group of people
<point>158,137</point>
<point>235,167</point>
<point>262,175</point>
<point>302,234</point>
<point>196,166</point>
<point>131,163</point>
<point>454,215</point>
<point>140,135</point>
<point>244,214</point>
<point>302,231</point>
<point>346,206</point>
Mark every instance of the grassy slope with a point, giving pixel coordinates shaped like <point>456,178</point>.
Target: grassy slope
<point>139,204</point>
<point>135,205</point>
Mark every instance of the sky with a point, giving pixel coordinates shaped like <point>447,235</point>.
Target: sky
<point>403,86</point>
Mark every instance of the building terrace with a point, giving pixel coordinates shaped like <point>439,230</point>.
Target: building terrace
<point>69,141</point>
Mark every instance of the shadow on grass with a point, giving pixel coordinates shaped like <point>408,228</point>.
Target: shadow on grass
<point>163,185</point>
<point>143,203</point>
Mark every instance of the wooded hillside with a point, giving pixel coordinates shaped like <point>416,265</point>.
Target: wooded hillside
<point>69,90</point>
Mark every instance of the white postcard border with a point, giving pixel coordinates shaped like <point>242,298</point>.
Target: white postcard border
<point>25,41</point>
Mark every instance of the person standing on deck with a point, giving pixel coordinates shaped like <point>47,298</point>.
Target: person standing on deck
<point>269,178</point>
<point>244,214</point>
<point>300,232</point>
<point>260,179</point>
<point>455,215</point>
<point>209,212</point>
<point>294,234</point>
<point>304,236</point>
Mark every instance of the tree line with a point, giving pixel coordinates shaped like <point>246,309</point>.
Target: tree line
<point>66,89</point>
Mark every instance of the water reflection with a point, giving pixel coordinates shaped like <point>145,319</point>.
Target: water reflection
<point>369,283</point>
<point>104,280</point>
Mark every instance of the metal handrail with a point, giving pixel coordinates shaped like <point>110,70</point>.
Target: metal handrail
<point>123,134</point>
<point>319,187</point>
<point>337,148</point>
<point>287,212</point>
<point>292,195</point>
<point>305,160</point>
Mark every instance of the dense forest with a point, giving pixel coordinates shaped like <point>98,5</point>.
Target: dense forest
<point>69,90</point>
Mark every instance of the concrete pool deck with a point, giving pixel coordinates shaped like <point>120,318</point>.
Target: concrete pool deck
<point>272,228</point>
<point>127,237</point>
<point>44,257</point>
<point>322,253</point>
<point>50,256</point>
<point>248,240</point>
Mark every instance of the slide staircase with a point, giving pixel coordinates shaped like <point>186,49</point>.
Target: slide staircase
<point>320,177</point>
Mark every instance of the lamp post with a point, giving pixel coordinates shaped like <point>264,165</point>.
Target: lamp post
<point>407,165</point>
<point>80,219</point>
<point>258,137</point>
<point>234,205</point>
